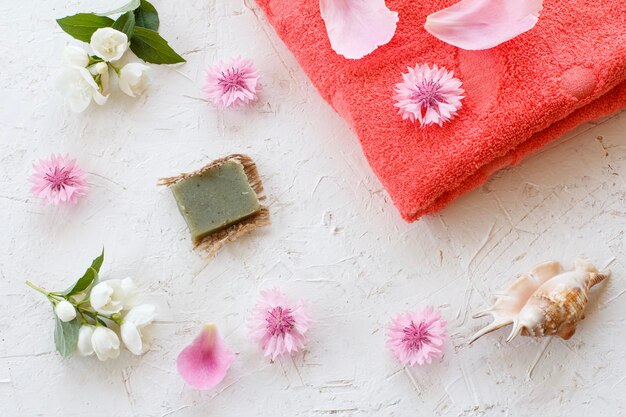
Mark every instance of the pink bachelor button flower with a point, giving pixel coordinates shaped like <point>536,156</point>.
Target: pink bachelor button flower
<point>417,336</point>
<point>204,363</point>
<point>232,84</point>
<point>430,95</point>
<point>278,326</point>
<point>58,180</point>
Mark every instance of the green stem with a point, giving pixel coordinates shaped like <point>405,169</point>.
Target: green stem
<point>116,69</point>
<point>37,288</point>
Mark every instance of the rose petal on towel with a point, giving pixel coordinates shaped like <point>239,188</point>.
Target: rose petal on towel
<point>357,27</point>
<point>483,24</point>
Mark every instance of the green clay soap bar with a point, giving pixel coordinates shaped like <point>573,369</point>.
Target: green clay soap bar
<point>215,198</point>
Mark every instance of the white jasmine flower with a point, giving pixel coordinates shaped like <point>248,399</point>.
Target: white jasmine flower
<point>85,347</point>
<point>65,311</point>
<point>111,296</point>
<point>105,343</point>
<point>109,44</point>
<point>73,55</point>
<point>79,88</point>
<point>134,79</point>
<point>136,319</point>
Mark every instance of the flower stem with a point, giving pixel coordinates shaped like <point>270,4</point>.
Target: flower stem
<point>116,69</point>
<point>37,288</point>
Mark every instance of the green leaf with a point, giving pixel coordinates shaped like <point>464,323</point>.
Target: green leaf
<point>151,47</point>
<point>82,25</point>
<point>90,277</point>
<point>146,16</point>
<point>83,283</point>
<point>128,7</point>
<point>125,23</point>
<point>97,263</point>
<point>66,336</point>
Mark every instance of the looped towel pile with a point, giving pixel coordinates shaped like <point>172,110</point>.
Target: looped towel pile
<point>569,69</point>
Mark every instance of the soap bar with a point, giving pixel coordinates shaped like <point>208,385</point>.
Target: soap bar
<point>221,201</point>
<point>215,199</point>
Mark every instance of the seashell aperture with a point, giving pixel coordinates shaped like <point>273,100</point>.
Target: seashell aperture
<point>546,301</point>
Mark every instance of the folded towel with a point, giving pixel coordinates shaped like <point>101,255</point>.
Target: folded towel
<point>569,69</point>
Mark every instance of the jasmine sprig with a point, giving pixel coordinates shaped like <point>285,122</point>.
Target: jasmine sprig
<point>89,313</point>
<point>70,304</point>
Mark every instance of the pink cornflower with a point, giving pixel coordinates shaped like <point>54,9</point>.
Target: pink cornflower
<point>232,84</point>
<point>417,336</point>
<point>278,326</point>
<point>58,180</point>
<point>430,95</point>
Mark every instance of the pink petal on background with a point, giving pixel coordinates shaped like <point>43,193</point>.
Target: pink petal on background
<point>204,363</point>
<point>483,24</point>
<point>357,27</point>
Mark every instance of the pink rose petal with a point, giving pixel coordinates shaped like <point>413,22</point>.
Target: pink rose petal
<point>483,24</point>
<point>357,27</point>
<point>204,363</point>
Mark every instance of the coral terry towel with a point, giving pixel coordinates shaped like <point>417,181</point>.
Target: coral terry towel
<point>569,69</point>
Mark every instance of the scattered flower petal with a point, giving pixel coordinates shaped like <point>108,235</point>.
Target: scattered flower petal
<point>204,363</point>
<point>417,336</point>
<point>357,27</point>
<point>58,180</point>
<point>483,24</point>
<point>430,95</point>
<point>232,84</point>
<point>278,326</point>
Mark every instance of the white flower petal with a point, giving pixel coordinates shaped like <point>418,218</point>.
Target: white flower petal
<point>65,311</point>
<point>84,347</point>
<point>109,44</point>
<point>132,338</point>
<point>105,343</point>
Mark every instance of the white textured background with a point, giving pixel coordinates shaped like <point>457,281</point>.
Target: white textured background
<point>336,239</point>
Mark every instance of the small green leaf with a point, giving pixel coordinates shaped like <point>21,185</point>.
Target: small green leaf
<point>146,16</point>
<point>97,263</point>
<point>83,283</point>
<point>82,25</point>
<point>66,336</point>
<point>128,7</point>
<point>151,47</point>
<point>90,277</point>
<point>125,23</point>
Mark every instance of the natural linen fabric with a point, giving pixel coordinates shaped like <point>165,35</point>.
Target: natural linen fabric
<point>569,69</point>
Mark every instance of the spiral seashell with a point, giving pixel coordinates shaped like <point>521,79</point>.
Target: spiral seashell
<point>547,301</point>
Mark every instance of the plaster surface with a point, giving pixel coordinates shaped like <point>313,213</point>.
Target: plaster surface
<point>336,240</point>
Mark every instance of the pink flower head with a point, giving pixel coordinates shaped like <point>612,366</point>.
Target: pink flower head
<point>430,95</point>
<point>483,24</point>
<point>232,84</point>
<point>357,27</point>
<point>279,327</point>
<point>58,180</point>
<point>417,336</point>
<point>204,363</point>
